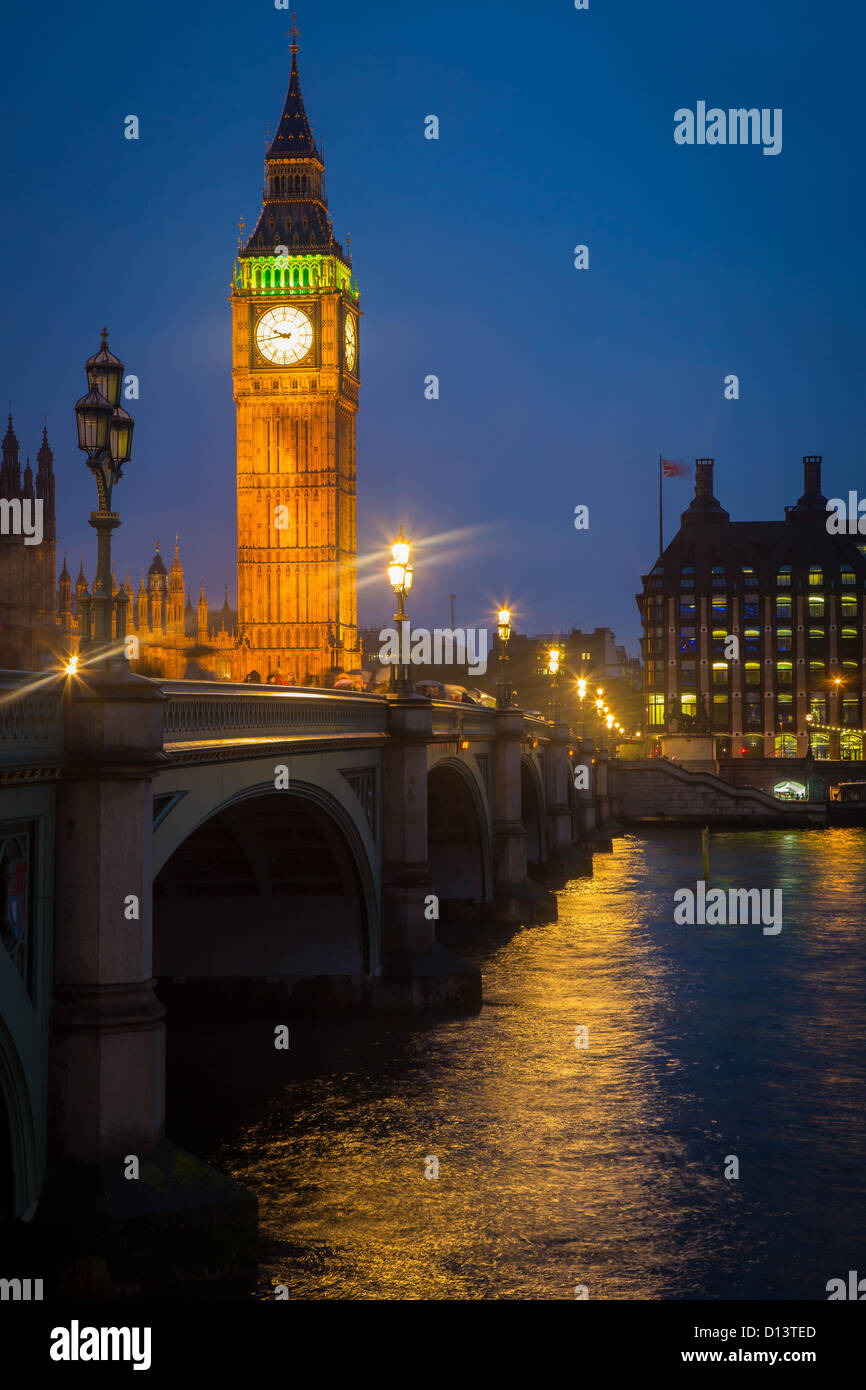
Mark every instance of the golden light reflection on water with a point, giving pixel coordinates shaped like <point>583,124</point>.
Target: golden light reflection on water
<point>602,1167</point>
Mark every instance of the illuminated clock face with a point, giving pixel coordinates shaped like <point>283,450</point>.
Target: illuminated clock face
<point>284,335</point>
<point>350,342</point>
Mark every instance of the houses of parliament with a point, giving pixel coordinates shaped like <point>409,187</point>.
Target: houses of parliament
<point>295,371</point>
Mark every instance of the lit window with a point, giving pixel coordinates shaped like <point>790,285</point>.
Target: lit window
<point>783,578</point>
<point>784,673</point>
<point>849,605</point>
<point>816,634</point>
<point>753,673</point>
<point>785,711</point>
<point>689,706</point>
<point>816,605</point>
<point>850,711</point>
<point>783,606</point>
<point>847,576</point>
<point>816,576</point>
<point>816,669</point>
<point>657,709</point>
<point>720,673</point>
<point>849,634</point>
<point>720,608</point>
<point>784,639</point>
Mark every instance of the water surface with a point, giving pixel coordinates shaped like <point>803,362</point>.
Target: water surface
<point>560,1166</point>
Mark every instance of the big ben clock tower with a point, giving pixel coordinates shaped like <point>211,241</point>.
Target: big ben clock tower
<point>295,371</point>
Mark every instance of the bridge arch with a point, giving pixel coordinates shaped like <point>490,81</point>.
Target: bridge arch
<point>269,885</point>
<point>458,838</point>
<point>532,812</point>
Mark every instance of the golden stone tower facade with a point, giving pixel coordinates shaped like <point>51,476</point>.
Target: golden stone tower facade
<point>295,350</point>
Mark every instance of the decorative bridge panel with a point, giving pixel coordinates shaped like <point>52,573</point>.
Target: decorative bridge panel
<point>31,726</point>
<point>203,712</point>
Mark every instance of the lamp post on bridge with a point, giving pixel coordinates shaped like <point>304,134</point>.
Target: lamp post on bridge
<point>400,573</point>
<point>503,695</point>
<point>581,695</point>
<point>105,436</point>
<point>553,658</point>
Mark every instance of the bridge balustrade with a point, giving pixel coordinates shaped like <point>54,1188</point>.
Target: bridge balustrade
<point>197,711</point>
<point>31,724</point>
<point>478,722</point>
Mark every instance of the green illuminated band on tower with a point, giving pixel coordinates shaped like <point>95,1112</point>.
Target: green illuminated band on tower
<point>304,274</point>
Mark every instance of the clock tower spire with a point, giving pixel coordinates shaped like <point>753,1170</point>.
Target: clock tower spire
<point>295,373</point>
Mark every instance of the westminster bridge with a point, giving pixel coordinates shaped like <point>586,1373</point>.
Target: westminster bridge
<point>184,845</point>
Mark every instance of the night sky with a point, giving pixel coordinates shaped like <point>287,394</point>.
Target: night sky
<point>558,386</point>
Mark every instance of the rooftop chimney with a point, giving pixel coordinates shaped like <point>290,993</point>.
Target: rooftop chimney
<point>705,507</point>
<point>704,477</point>
<point>811,473</point>
<point>813,502</point>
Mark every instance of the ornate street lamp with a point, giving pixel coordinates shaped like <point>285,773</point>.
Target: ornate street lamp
<point>105,436</point>
<point>581,695</point>
<point>503,694</point>
<point>553,659</point>
<point>400,573</point>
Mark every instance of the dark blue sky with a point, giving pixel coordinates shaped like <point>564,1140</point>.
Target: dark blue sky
<point>558,386</point>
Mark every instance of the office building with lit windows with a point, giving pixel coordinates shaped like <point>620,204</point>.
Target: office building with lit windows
<point>792,595</point>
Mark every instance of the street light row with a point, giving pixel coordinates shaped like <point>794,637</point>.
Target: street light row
<point>400,573</point>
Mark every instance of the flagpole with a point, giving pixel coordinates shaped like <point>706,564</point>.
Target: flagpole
<point>661,540</point>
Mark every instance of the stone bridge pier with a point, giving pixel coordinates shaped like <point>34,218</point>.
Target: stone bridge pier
<point>416,969</point>
<point>110,1169</point>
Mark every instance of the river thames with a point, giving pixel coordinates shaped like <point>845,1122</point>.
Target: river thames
<point>563,1166</point>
